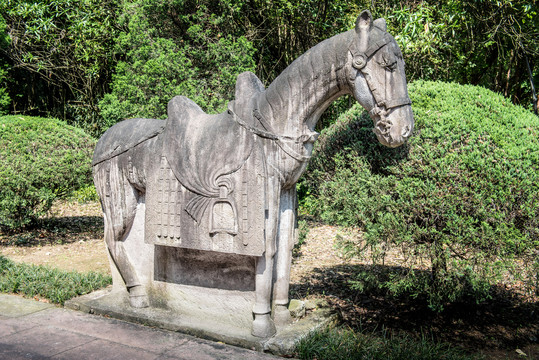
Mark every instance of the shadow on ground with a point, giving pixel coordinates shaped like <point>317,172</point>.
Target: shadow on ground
<point>56,230</point>
<point>503,322</point>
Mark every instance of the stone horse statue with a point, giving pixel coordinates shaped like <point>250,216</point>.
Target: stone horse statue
<point>225,184</point>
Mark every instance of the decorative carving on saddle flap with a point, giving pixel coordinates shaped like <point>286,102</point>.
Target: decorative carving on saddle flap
<point>232,221</point>
<point>223,217</point>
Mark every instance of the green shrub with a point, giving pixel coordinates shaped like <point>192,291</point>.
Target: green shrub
<point>53,284</point>
<point>85,194</point>
<point>462,197</point>
<point>40,160</point>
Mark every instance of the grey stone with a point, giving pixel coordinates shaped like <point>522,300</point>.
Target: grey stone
<point>57,333</point>
<point>52,341</point>
<point>200,210</point>
<point>11,306</point>
<point>311,304</point>
<point>106,303</point>
<point>297,308</point>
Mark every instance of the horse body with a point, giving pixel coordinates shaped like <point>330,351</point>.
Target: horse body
<point>273,125</point>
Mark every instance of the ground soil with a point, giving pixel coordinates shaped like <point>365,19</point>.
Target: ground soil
<point>71,238</point>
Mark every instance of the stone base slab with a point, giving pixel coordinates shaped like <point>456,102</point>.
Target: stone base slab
<point>115,304</point>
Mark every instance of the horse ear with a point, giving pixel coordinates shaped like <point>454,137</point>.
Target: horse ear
<point>364,21</point>
<point>380,24</point>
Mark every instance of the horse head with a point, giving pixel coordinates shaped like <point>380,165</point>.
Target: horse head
<point>377,80</point>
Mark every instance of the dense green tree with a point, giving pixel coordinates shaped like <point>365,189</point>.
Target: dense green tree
<point>60,52</point>
<point>281,30</point>
<point>480,42</point>
<point>4,96</point>
<point>189,53</point>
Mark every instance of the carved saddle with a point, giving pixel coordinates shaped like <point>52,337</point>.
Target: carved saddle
<point>209,190</point>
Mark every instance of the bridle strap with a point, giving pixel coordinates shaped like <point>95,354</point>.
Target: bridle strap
<point>371,50</point>
<point>359,60</point>
<point>377,45</point>
<point>389,104</point>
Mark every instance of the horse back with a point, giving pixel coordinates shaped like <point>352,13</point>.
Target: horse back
<point>124,136</point>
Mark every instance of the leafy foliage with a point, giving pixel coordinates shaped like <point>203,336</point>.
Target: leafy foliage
<point>85,194</point>
<point>40,160</point>
<point>200,62</point>
<point>53,284</point>
<point>282,30</point>
<point>5,100</point>
<point>61,56</point>
<point>461,197</point>
<point>481,42</point>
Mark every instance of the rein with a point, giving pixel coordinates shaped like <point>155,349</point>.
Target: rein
<point>280,140</point>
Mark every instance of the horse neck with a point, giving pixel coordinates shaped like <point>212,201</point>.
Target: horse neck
<point>300,94</point>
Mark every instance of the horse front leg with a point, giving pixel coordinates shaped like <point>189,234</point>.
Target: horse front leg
<point>286,238</point>
<point>263,325</point>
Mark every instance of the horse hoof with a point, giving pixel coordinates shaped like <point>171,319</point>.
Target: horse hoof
<point>263,326</point>
<point>138,297</point>
<point>281,315</point>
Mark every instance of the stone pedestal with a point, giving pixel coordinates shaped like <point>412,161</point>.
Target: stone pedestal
<point>197,322</point>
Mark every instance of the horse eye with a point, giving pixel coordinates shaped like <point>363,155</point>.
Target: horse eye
<point>391,67</point>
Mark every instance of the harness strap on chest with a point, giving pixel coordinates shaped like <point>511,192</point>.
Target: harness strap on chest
<point>281,140</point>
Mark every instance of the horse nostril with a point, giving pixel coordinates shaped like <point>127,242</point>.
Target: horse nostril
<point>406,131</point>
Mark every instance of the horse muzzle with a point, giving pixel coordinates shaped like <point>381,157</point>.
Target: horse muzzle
<point>394,126</point>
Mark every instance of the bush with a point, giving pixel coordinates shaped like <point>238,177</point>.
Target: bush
<point>461,197</point>
<point>85,194</point>
<point>40,160</point>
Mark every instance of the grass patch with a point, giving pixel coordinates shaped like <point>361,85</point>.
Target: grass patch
<point>344,343</point>
<point>52,284</point>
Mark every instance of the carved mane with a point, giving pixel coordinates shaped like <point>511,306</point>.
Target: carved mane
<point>316,77</point>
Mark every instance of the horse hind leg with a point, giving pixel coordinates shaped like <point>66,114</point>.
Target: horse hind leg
<point>119,202</point>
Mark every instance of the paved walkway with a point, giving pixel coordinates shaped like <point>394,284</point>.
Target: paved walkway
<point>34,330</point>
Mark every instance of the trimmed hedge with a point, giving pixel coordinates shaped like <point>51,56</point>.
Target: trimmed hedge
<point>462,195</point>
<point>40,160</point>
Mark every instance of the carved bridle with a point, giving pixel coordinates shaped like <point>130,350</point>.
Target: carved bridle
<point>378,39</point>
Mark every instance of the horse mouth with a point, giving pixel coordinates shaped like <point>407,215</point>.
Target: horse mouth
<point>393,133</point>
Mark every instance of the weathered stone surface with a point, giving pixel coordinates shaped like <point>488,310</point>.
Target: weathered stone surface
<point>16,307</point>
<point>58,333</point>
<point>311,304</point>
<point>200,210</point>
<point>116,305</point>
<point>297,308</point>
